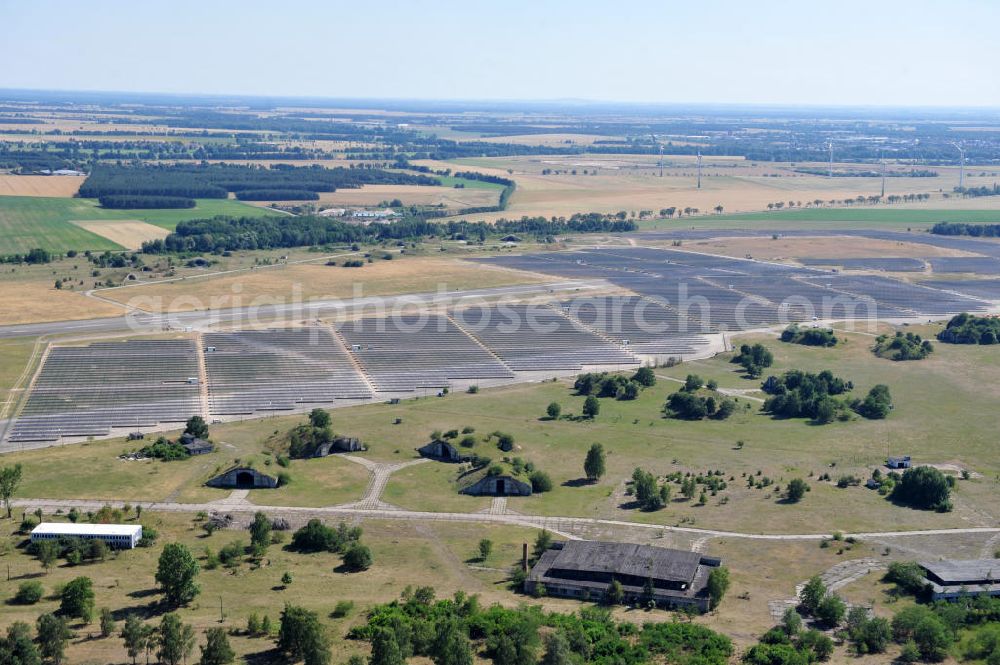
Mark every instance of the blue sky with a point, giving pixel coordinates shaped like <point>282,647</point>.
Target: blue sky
<point>848,52</point>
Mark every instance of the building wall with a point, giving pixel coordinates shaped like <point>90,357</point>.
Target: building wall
<point>490,486</point>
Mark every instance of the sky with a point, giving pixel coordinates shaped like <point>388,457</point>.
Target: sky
<point>799,52</point>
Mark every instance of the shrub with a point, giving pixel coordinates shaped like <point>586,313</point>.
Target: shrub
<point>540,482</point>
<point>28,593</point>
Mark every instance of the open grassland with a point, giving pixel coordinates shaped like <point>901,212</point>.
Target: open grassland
<point>547,184</point>
<point>33,302</point>
<point>405,555</point>
<point>129,234</point>
<point>47,222</point>
<point>14,356</point>
<point>316,282</point>
<point>890,214</point>
<point>40,185</point>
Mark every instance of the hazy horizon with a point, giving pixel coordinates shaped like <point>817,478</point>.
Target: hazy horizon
<point>925,53</point>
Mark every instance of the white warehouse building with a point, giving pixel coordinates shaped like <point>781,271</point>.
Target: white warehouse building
<point>118,536</point>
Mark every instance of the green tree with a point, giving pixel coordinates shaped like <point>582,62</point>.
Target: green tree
<point>176,573</point>
<point>591,407</point>
<point>812,594</point>
<point>923,487</point>
<point>557,650</point>
<point>134,636</point>
<point>553,410</point>
<point>615,594</point>
<point>319,418</point>
<point>645,376</point>
<point>451,645</point>
<point>107,622</point>
<point>196,426</point>
<point>358,557</point>
<point>797,489</point>
<point>260,533</point>
<point>77,599</point>
<point>385,649</point>
<point>18,648</point>
<point>53,635</point>
<point>28,593</point>
<point>176,640</point>
<point>301,636</point>
<point>831,611</point>
<point>693,382</point>
<point>216,650</point>
<point>718,584</point>
<point>485,548</point>
<point>791,622</point>
<point>543,541</point>
<point>932,638</point>
<point>594,465</point>
<point>10,481</point>
<point>286,579</point>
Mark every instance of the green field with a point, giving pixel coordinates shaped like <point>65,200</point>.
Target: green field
<point>451,181</point>
<point>827,218</point>
<point>27,222</point>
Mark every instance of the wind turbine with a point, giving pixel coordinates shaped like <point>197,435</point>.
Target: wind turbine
<point>829,146</point>
<point>699,169</point>
<point>961,165</point>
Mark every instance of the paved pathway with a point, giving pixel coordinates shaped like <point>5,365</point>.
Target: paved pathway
<point>372,498</point>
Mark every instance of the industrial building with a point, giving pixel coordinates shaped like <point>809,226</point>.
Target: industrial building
<point>585,569</point>
<point>955,578</point>
<point>118,536</point>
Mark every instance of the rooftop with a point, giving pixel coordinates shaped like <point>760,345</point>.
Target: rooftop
<point>72,529</point>
<point>958,571</point>
<point>628,559</point>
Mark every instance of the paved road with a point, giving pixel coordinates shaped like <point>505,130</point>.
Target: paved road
<point>242,507</point>
<point>144,322</point>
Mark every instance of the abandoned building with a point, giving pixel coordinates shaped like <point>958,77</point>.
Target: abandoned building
<point>442,451</point>
<point>243,478</point>
<point>498,486</point>
<point>584,570</point>
<point>116,536</point>
<point>195,446</point>
<point>903,462</point>
<point>340,444</point>
<point>954,578</point>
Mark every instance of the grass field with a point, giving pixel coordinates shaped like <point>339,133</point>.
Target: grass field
<point>447,196</point>
<point>891,214</point>
<point>826,247</point>
<point>27,221</point>
<point>316,281</point>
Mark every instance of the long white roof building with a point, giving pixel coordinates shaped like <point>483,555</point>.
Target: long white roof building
<point>124,536</point>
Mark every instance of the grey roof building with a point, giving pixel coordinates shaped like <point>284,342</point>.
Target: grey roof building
<point>488,485</point>
<point>241,478</point>
<point>442,451</point>
<point>585,569</point>
<point>195,446</point>
<point>954,578</point>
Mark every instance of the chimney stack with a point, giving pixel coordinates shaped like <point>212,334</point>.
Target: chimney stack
<point>524,557</point>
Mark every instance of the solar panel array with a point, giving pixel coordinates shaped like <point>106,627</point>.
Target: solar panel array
<point>278,370</point>
<point>88,390</point>
<point>643,325</point>
<point>982,265</point>
<point>725,293</point>
<point>537,338</point>
<point>406,353</point>
<point>988,289</point>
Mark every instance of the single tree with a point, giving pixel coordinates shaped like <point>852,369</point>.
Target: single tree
<point>216,650</point>
<point>107,622</point>
<point>358,557</point>
<point>319,418</point>
<point>196,426</point>
<point>485,548</point>
<point>718,584</point>
<point>615,594</point>
<point>797,489</point>
<point>553,410</point>
<point>385,649</point>
<point>10,480</point>
<point>77,599</point>
<point>301,636</point>
<point>451,644</point>
<point>791,622</point>
<point>176,573</point>
<point>53,635</point>
<point>18,648</point>
<point>260,533</point>
<point>176,640</point>
<point>134,636</point>
<point>594,465</point>
<point>812,594</point>
<point>543,541</point>
<point>286,579</point>
<point>591,407</point>
<point>557,650</point>
<point>831,611</point>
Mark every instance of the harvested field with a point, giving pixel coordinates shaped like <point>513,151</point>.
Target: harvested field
<point>311,282</point>
<point>130,234</point>
<point>40,185</point>
<point>31,302</point>
<point>555,139</point>
<point>785,248</point>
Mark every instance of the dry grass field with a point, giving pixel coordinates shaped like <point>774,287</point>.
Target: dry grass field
<point>40,185</point>
<point>553,140</point>
<point>130,234</point>
<point>317,282</point>
<point>631,182</point>
<point>35,302</point>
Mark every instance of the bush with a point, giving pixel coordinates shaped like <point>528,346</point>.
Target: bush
<point>540,482</point>
<point>923,487</point>
<point>28,593</point>
<point>358,557</point>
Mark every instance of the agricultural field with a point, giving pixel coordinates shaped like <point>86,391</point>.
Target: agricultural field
<point>825,247</point>
<point>40,185</point>
<point>48,222</point>
<point>375,195</point>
